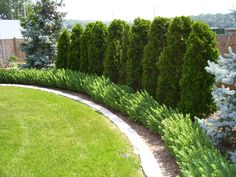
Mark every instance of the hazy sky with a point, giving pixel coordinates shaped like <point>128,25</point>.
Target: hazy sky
<point>130,9</point>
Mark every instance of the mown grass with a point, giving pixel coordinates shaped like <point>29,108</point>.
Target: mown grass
<point>42,134</point>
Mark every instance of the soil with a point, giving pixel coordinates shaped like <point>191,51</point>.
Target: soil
<point>167,163</point>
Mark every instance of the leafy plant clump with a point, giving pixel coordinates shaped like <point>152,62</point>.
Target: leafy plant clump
<point>194,152</point>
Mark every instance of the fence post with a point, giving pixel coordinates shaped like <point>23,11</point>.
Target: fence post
<point>1,50</point>
<point>15,48</point>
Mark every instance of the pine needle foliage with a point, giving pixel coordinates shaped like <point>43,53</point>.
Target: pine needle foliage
<point>62,50</point>
<point>117,32</point>
<point>97,47</point>
<point>138,40</point>
<point>152,52</point>
<point>86,36</point>
<point>196,84</point>
<point>171,61</point>
<point>74,48</point>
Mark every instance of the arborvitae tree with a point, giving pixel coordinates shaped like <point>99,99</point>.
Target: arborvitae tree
<point>124,58</point>
<point>152,51</point>
<point>96,48</point>
<point>62,50</point>
<point>171,61</point>
<point>138,40</point>
<point>41,29</point>
<point>74,47</point>
<point>196,84</point>
<point>114,52</point>
<point>84,61</point>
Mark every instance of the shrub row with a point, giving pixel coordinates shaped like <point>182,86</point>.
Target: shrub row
<point>167,58</point>
<point>193,151</point>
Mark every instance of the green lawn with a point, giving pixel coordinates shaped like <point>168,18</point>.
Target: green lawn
<point>46,135</point>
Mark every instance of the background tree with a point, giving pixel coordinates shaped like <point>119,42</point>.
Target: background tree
<point>96,48</point>
<point>62,50</point>
<point>5,9</point>
<point>114,51</point>
<point>41,30</point>
<point>86,36</point>
<point>13,9</point>
<point>152,51</point>
<point>171,61</point>
<point>74,47</point>
<point>138,40</point>
<point>196,84</point>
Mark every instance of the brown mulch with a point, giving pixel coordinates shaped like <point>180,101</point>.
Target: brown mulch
<point>167,163</point>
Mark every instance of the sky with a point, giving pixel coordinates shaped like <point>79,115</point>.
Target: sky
<point>130,9</point>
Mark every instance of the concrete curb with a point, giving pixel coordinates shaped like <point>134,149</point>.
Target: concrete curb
<point>148,161</point>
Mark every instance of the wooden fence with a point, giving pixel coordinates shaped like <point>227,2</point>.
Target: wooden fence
<point>226,40</point>
<point>11,47</point>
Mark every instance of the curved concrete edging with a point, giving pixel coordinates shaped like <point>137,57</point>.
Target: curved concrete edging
<point>148,161</point>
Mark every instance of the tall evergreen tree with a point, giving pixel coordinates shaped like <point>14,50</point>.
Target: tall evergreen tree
<point>41,30</point>
<point>171,61</point>
<point>138,40</point>
<point>196,84</point>
<point>123,62</point>
<point>74,47</point>
<point>62,50</point>
<point>86,36</point>
<point>115,51</point>
<point>222,129</point>
<point>96,48</point>
<point>152,51</point>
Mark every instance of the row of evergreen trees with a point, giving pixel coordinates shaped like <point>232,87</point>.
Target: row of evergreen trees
<point>166,58</point>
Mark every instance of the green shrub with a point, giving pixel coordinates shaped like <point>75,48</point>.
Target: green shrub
<point>193,151</point>
<point>14,58</point>
<point>152,51</point>
<point>96,48</point>
<point>74,47</point>
<point>196,84</point>
<point>115,51</point>
<point>84,60</point>
<point>62,50</point>
<point>171,61</point>
<point>138,40</point>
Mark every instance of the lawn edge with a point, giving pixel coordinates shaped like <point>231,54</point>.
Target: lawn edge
<point>149,164</point>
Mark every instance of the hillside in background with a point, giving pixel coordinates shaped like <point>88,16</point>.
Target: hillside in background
<point>218,20</point>
<point>213,20</point>
<point>71,22</point>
